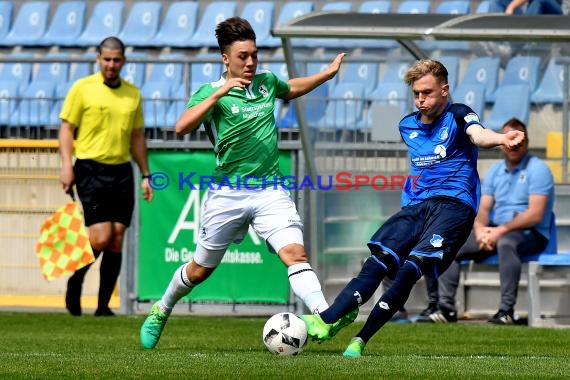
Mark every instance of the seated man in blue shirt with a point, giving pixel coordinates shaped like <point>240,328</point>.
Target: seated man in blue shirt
<point>520,190</point>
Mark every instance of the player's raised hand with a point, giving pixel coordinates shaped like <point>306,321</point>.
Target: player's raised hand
<point>513,140</point>
<point>335,64</point>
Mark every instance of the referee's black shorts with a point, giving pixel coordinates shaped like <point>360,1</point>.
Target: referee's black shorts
<point>106,191</point>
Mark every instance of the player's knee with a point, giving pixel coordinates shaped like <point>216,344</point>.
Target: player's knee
<point>197,273</point>
<point>293,254</point>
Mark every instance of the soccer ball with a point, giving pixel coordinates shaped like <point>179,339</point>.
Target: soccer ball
<point>285,334</point>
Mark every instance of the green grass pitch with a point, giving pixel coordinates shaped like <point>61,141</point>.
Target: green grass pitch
<point>58,346</point>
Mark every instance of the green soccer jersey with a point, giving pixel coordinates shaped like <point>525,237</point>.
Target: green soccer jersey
<point>241,127</point>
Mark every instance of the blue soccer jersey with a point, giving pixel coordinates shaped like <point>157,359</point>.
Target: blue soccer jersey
<point>443,160</point>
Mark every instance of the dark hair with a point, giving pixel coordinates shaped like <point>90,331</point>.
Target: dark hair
<point>111,43</point>
<point>231,30</point>
<point>424,67</point>
<point>516,124</point>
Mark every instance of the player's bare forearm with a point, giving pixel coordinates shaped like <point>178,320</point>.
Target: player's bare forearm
<point>486,138</point>
<point>303,85</point>
<point>139,151</point>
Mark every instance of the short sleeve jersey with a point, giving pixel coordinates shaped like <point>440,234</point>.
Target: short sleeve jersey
<point>443,159</point>
<point>241,126</point>
<point>105,118</point>
<point>511,189</point>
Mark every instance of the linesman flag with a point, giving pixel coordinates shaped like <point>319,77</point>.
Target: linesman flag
<point>63,246</point>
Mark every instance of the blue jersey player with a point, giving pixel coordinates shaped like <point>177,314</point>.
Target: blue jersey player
<point>437,211</point>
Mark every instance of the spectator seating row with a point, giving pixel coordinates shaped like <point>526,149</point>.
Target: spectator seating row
<point>184,24</point>
<point>363,82</point>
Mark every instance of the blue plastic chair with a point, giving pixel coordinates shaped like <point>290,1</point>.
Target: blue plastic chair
<point>29,25</point>
<point>66,24</point>
<point>57,72</point>
<point>451,63</point>
<point>35,105</point>
<point>260,16</point>
<point>333,6</point>
<point>550,88</point>
<point>511,100</point>
<point>214,13</point>
<point>205,72</point>
<point>61,91</point>
<point>450,7</point>
<point>345,107</point>
<point>279,69</point>
<point>393,94</point>
<point>178,25</point>
<point>156,100</point>
<point>365,73</point>
<point>106,20</point>
<point>522,70</point>
<point>483,70</point>
<point>414,7</point>
<point>290,10</point>
<point>18,71</point>
<point>483,7</point>
<point>142,23</point>
<point>6,10</point>
<point>373,6</point>
<point>471,94</point>
<point>314,103</point>
<point>9,96</point>
<point>177,106</point>
<point>395,71</point>
<point>134,72</point>
<point>168,71</point>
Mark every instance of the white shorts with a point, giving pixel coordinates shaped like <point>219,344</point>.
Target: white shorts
<point>228,213</point>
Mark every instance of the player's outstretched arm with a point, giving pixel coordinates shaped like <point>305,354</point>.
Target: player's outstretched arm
<point>486,138</point>
<point>302,85</point>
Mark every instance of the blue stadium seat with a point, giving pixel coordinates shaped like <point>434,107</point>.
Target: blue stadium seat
<point>66,24</point>
<point>394,94</point>
<point>6,9</point>
<point>451,63</point>
<point>522,70</point>
<point>471,94</point>
<point>9,92</point>
<point>484,70</point>
<point>395,71</point>
<point>177,106</point>
<point>373,6</point>
<point>365,73</point>
<point>205,72</point>
<point>414,6</point>
<point>260,16</point>
<point>345,107</point>
<point>550,88</point>
<point>106,20</point>
<point>511,100</point>
<point>79,70</point>
<point>314,106</point>
<point>142,23</point>
<point>483,7</point>
<point>29,25</point>
<point>313,67</point>
<point>134,72</point>
<point>289,11</point>
<point>214,13</point>
<point>168,71</point>
<point>178,25</point>
<point>61,91</point>
<point>57,72</point>
<point>19,71</point>
<point>332,6</point>
<point>156,100</point>
<point>453,7</point>
<point>279,69</point>
<point>35,105</point>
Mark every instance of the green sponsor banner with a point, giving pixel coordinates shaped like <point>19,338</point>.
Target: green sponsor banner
<point>169,231</point>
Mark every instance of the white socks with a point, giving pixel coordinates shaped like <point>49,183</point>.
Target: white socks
<point>179,286</point>
<point>306,286</point>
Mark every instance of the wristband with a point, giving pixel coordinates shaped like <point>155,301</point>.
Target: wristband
<point>145,176</point>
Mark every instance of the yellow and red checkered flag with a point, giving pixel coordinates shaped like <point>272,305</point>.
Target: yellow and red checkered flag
<point>63,246</point>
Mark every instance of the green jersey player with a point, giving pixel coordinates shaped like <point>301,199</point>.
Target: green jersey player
<point>238,113</point>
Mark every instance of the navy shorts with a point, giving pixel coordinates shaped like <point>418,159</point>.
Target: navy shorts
<point>432,232</point>
<point>106,191</point>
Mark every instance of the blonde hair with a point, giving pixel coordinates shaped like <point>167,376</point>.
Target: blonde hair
<point>425,67</point>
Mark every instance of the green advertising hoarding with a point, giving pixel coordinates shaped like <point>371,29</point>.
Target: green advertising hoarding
<point>169,227</point>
